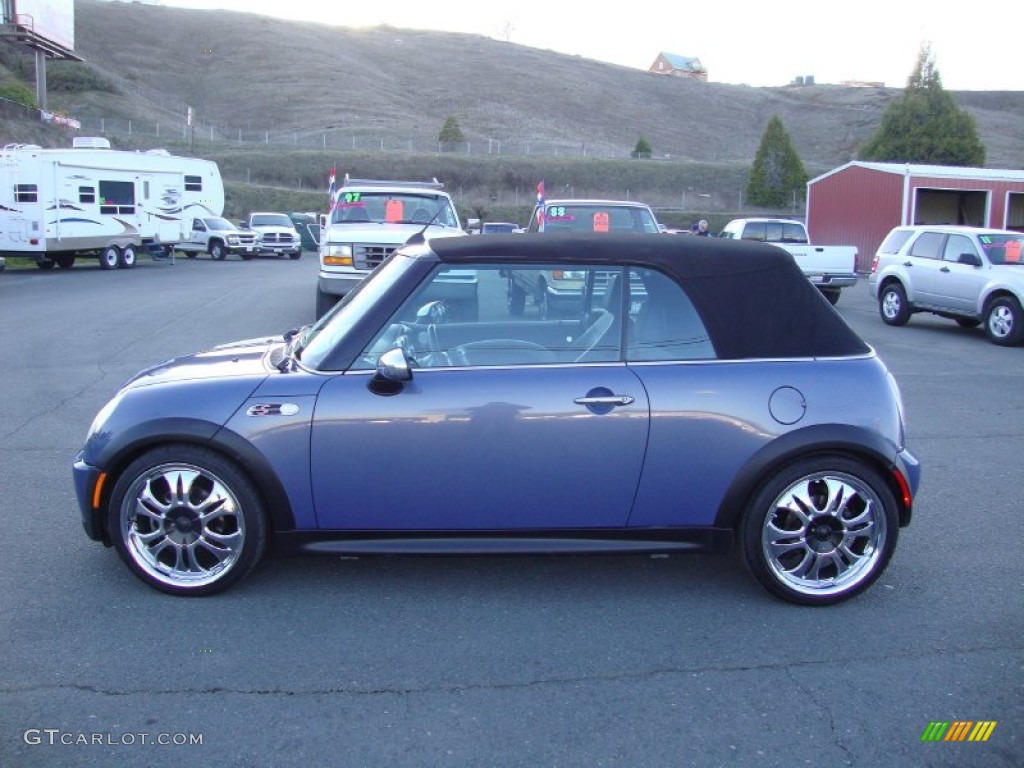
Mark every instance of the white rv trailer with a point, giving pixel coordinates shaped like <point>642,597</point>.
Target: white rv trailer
<point>59,204</point>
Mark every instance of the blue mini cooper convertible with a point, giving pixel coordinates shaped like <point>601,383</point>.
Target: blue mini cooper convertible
<point>689,394</point>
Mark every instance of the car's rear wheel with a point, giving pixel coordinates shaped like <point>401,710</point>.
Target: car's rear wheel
<point>832,294</point>
<point>967,322</point>
<point>892,304</point>
<point>110,257</point>
<point>1004,323</point>
<point>126,260</point>
<point>186,520</point>
<point>820,530</point>
<point>65,261</point>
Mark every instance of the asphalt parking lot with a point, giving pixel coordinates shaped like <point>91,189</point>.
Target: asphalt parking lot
<point>560,661</point>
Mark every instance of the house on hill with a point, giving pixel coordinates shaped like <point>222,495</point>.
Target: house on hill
<point>679,66</point>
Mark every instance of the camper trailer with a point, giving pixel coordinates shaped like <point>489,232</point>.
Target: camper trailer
<point>57,205</point>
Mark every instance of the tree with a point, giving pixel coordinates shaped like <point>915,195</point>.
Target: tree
<point>642,150</point>
<point>451,134</point>
<point>778,171</point>
<point>12,90</point>
<point>925,125</point>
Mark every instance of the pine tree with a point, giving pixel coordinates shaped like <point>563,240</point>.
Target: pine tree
<point>925,125</point>
<point>777,171</point>
<point>451,134</point>
<point>642,150</point>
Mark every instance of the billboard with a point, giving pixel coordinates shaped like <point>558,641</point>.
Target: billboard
<point>48,24</point>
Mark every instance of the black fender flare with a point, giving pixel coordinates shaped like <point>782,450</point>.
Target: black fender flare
<point>843,439</point>
<point>133,442</point>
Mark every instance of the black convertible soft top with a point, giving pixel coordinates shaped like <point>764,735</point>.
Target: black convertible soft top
<point>752,297</point>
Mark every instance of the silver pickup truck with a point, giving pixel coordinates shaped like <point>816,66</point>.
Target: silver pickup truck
<point>218,237</point>
<point>830,267</point>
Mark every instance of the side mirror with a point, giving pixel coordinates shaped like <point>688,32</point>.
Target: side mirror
<point>393,366</point>
<point>969,258</point>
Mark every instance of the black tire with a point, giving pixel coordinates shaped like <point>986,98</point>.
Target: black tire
<point>110,257</point>
<point>1004,322</point>
<point>832,294</point>
<point>155,520</point>
<point>834,523</point>
<point>967,322</point>
<point>45,264</point>
<point>516,299</point>
<point>127,258</point>
<point>295,256</point>
<point>892,304</point>
<point>246,256</point>
<point>65,260</point>
<point>324,302</point>
<point>217,251</point>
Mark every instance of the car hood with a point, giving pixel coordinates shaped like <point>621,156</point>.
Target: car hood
<point>239,358</point>
<point>387,233</point>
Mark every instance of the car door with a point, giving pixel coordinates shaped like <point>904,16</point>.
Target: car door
<point>499,429</point>
<point>958,281</point>
<point>197,239</point>
<point>922,263</point>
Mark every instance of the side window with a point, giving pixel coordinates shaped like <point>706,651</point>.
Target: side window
<point>197,224</point>
<point>754,230</point>
<point>193,183</point>
<point>895,240</point>
<point>664,325</point>
<point>117,197</point>
<point>26,193</point>
<point>87,194</point>
<point>490,315</point>
<point>957,245</point>
<point>794,233</point>
<point>927,246</point>
<point>773,231</point>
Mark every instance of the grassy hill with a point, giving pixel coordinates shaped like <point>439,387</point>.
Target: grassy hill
<point>365,87</point>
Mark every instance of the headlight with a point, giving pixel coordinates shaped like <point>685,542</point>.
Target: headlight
<point>336,255</point>
<point>233,239</point>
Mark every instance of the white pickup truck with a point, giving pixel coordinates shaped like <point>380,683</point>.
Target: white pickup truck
<point>218,237</point>
<point>830,267</point>
<point>275,234</point>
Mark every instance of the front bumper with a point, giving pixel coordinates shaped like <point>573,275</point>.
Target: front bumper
<point>86,477</point>
<point>339,284</point>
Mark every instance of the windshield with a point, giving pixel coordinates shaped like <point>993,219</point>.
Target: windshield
<point>328,331</point>
<point>218,223</point>
<point>393,208</point>
<point>599,218</point>
<point>1002,249</point>
<point>271,220</point>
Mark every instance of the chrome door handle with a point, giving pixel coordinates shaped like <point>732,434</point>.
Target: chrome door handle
<point>604,400</point>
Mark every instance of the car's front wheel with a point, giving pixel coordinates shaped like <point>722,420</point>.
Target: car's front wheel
<point>892,304</point>
<point>820,530</point>
<point>1004,323</point>
<point>217,252</point>
<point>186,520</point>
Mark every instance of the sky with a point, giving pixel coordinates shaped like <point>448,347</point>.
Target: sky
<point>738,41</point>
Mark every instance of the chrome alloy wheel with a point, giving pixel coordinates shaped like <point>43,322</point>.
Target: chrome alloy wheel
<point>824,534</point>
<point>891,305</point>
<point>1000,321</point>
<point>182,526</point>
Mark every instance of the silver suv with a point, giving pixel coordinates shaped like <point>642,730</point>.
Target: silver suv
<point>966,274</point>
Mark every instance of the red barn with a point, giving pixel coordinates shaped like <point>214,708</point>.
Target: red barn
<point>858,203</point>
